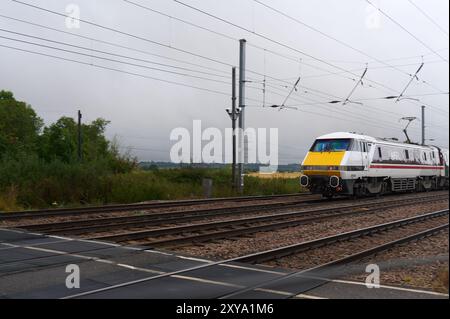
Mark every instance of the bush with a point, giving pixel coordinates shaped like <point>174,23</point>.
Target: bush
<point>39,184</point>
<point>8,200</point>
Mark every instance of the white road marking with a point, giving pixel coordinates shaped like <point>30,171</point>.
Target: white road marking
<point>206,281</point>
<point>303,296</point>
<point>220,283</point>
<point>97,242</point>
<point>195,259</point>
<point>254,269</point>
<point>276,292</point>
<point>60,237</point>
<point>105,261</point>
<point>35,245</point>
<point>157,252</point>
<point>95,259</point>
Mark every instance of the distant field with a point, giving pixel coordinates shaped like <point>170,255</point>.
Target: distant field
<point>291,175</point>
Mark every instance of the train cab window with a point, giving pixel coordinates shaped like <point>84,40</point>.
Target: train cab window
<point>335,145</point>
<point>380,154</point>
<point>425,156</point>
<point>407,154</point>
<point>366,147</point>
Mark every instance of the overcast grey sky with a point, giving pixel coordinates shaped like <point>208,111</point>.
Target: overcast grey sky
<point>143,111</point>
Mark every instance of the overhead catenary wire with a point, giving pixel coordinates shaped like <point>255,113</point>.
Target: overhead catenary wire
<point>223,35</point>
<point>327,74</point>
<point>298,21</point>
<point>429,18</point>
<point>116,70</point>
<point>120,71</point>
<point>170,82</point>
<point>407,31</point>
<point>274,41</point>
<point>196,54</point>
<point>324,103</point>
<point>327,95</point>
<point>390,59</point>
<point>202,66</point>
<point>115,30</point>
<point>219,34</point>
<point>116,45</point>
<point>64,15</point>
<point>351,116</point>
<point>126,34</point>
<point>138,37</point>
<point>281,44</point>
<point>113,60</point>
<point>115,54</point>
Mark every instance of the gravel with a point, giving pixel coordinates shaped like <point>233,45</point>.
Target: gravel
<point>423,264</point>
<point>225,249</point>
<point>66,218</point>
<point>237,216</point>
<point>315,257</point>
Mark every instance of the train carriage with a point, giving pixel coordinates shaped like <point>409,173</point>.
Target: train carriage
<point>359,165</point>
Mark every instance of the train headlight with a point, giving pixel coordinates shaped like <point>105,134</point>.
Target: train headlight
<point>304,181</point>
<point>335,181</point>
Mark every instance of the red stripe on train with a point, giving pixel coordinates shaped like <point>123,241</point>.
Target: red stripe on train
<point>406,167</point>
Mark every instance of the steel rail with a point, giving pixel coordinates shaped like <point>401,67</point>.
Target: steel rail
<point>155,219</point>
<point>317,216</point>
<point>149,219</point>
<point>322,274</point>
<point>240,259</point>
<point>137,206</point>
<point>296,248</point>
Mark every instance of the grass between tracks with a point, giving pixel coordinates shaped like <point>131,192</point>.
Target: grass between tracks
<point>74,185</point>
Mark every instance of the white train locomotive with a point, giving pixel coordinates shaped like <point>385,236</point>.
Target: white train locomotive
<point>358,165</point>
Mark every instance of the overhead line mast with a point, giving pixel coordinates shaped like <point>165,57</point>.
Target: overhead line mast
<point>242,79</point>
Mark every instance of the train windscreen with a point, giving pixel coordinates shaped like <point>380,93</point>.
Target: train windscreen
<point>334,145</point>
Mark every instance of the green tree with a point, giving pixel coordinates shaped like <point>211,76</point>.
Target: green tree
<point>60,141</point>
<point>19,126</point>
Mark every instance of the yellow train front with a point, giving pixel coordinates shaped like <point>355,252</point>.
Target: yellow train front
<point>322,170</point>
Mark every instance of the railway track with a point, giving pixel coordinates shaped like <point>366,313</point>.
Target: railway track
<point>46,213</point>
<point>152,218</point>
<point>198,233</point>
<point>351,235</point>
<point>319,275</point>
<point>315,275</point>
<point>79,227</point>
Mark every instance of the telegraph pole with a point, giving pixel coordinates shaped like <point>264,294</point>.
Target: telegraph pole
<point>80,153</point>
<point>423,125</point>
<point>234,115</point>
<point>242,67</point>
